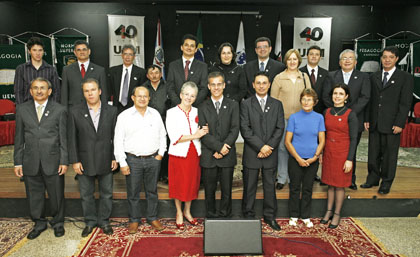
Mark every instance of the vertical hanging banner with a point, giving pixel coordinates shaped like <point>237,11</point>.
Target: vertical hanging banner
<point>313,31</point>
<point>240,46</point>
<point>199,55</point>
<point>368,55</point>
<point>64,46</point>
<point>159,58</point>
<point>415,64</point>
<point>125,29</point>
<point>10,57</point>
<point>277,47</point>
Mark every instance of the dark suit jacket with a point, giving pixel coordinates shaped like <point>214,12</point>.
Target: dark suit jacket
<point>223,129</point>
<point>359,85</point>
<point>259,129</point>
<point>42,142</point>
<point>137,78</point>
<point>322,84</point>
<point>94,149</point>
<point>273,68</point>
<point>176,78</point>
<point>389,106</point>
<point>71,84</point>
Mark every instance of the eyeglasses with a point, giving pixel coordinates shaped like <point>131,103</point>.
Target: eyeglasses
<point>262,47</point>
<point>82,50</point>
<point>347,58</point>
<point>127,54</point>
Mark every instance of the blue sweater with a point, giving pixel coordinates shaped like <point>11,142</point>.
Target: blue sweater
<point>305,127</point>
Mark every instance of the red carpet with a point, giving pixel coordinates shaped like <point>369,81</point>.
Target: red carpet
<point>349,239</point>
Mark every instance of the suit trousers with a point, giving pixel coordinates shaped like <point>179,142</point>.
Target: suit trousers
<point>301,183</point>
<point>87,190</point>
<point>382,158</point>
<point>282,170</point>
<point>250,180</point>
<point>211,176</point>
<point>35,191</point>
<point>143,171</point>
<point>353,175</point>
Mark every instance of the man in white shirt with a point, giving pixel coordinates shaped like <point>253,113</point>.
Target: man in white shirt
<point>139,145</point>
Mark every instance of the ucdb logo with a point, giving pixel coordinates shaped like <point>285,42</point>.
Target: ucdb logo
<point>130,31</point>
<point>314,34</point>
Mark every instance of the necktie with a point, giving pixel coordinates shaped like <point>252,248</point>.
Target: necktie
<point>385,79</point>
<point>217,107</point>
<point>261,66</point>
<point>262,104</point>
<point>186,69</point>
<point>83,71</point>
<point>39,112</point>
<point>124,93</point>
<point>346,78</point>
<point>313,80</point>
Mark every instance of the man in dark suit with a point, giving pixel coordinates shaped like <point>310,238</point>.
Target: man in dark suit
<point>320,80</point>
<point>262,125</point>
<point>359,85</point>
<point>185,69</point>
<point>91,151</point>
<point>124,78</point>
<point>73,75</point>
<point>41,155</point>
<point>392,91</point>
<point>263,63</point>
<point>218,151</point>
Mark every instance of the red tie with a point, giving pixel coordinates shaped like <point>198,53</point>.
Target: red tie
<point>83,71</point>
<point>313,77</point>
<point>186,69</point>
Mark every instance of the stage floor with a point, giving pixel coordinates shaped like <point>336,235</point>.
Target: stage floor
<point>405,186</point>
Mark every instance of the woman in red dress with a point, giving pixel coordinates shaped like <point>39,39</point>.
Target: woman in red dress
<point>340,148</point>
<point>184,153</point>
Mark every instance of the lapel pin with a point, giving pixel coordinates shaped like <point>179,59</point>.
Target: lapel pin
<point>392,82</point>
<point>266,110</point>
<point>46,113</point>
<point>224,106</point>
<point>86,115</point>
<point>320,75</point>
<point>268,107</point>
<point>91,68</point>
<point>355,77</point>
<point>135,78</point>
<point>192,72</point>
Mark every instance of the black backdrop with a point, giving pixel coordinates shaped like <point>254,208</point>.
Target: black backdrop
<point>348,22</point>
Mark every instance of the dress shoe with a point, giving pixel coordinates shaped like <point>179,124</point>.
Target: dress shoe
<point>317,179</point>
<point>353,186</point>
<point>273,224</point>
<point>59,231</point>
<point>193,222</point>
<point>132,228</point>
<point>326,221</point>
<point>107,229</point>
<point>333,226</point>
<point>308,223</point>
<point>157,225</point>
<point>279,186</point>
<point>180,226</point>
<point>367,185</point>
<point>383,190</point>
<point>293,222</point>
<point>35,233</point>
<point>86,231</point>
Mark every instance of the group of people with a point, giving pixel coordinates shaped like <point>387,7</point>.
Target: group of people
<point>310,116</point>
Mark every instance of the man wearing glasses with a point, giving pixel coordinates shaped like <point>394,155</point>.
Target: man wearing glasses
<point>124,78</point>
<point>359,85</point>
<point>75,73</point>
<point>263,64</point>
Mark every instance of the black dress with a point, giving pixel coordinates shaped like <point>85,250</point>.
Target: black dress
<point>235,80</point>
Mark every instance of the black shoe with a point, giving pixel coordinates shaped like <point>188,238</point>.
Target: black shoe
<point>107,229</point>
<point>279,186</point>
<point>273,224</point>
<point>35,233</point>
<point>384,190</point>
<point>326,221</point>
<point>332,226</point>
<point>367,185</point>
<point>165,180</point>
<point>86,231</point>
<point>59,231</point>
<point>353,186</point>
<point>317,179</point>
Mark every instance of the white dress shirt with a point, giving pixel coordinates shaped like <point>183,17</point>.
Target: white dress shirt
<point>346,75</point>
<point>130,68</point>
<point>265,63</point>
<point>184,60</point>
<point>139,135</point>
<point>214,102</point>
<point>43,106</point>
<point>310,71</point>
<point>86,64</point>
<point>389,73</point>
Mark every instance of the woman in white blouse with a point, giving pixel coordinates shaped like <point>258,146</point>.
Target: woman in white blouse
<point>184,153</point>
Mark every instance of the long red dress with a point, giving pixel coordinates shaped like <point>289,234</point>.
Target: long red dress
<point>184,175</point>
<point>336,150</point>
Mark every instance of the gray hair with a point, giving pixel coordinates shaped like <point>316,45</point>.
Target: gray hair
<point>128,46</point>
<point>189,84</point>
<point>347,51</point>
<point>41,79</point>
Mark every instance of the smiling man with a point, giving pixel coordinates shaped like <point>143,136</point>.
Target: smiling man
<point>263,63</point>
<point>75,73</point>
<point>359,85</point>
<point>218,151</point>
<point>35,68</point>
<point>392,93</point>
<point>41,156</point>
<point>123,78</point>
<point>186,69</point>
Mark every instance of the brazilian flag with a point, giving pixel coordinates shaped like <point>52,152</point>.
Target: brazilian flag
<point>199,55</point>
